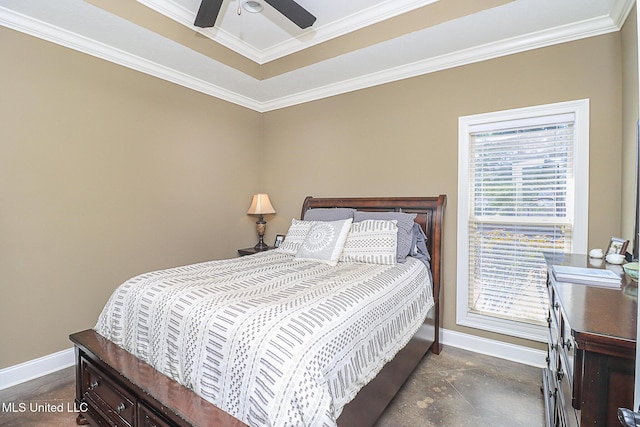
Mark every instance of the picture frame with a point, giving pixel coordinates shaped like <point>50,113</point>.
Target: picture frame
<point>279,240</point>
<point>617,245</point>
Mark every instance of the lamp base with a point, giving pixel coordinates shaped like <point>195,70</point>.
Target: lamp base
<point>261,246</point>
<point>260,226</point>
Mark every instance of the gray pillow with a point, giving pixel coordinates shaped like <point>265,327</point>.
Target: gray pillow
<point>328,214</point>
<point>419,245</point>
<point>405,228</point>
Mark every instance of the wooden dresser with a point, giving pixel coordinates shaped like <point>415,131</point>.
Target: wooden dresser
<point>591,349</point>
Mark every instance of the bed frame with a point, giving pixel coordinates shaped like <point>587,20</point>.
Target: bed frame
<point>113,387</point>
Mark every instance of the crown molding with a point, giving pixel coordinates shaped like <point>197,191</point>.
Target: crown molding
<point>563,34</point>
<point>567,33</point>
<point>620,11</point>
<point>62,37</point>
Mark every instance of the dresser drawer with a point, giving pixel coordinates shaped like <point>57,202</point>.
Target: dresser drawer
<point>568,351</point>
<point>113,402</point>
<point>550,395</point>
<point>552,347</point>
<point>569,414</point>
<point>148,418</point>
<point>571,362</point>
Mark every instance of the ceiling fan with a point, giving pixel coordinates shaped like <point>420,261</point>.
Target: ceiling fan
<point>209,10</point>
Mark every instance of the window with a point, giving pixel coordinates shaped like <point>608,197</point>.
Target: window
<point>522,190</point>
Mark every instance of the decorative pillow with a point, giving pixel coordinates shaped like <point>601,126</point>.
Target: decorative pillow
<point>324,241</point>
<point>419,245</point>
<point>405,227</point>
<point>295,236</point>
<point>328,214</point>
<point>372,241</point>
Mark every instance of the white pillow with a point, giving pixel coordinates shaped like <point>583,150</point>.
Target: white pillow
<point>295,236</point>
<point>372,241</point>
<point>324,241</point>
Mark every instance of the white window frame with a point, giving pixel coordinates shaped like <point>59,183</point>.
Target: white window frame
<point>580,108</point>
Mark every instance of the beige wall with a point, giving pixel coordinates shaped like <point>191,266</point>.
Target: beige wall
<point>106,173</point>
<point>629,36</point>
<point>401,138</point>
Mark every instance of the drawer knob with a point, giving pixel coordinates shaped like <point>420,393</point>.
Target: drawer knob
<point>94,385</point>
<point>121,407</point>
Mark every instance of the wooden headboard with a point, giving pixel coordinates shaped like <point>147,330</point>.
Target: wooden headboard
<point>430,216</point>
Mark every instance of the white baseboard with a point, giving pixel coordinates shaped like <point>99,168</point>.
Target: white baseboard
<point>32,369</point>
<point>515,353</point>
<point>14,375</point>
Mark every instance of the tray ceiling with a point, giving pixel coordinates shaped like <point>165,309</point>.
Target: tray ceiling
<point>263,61</point>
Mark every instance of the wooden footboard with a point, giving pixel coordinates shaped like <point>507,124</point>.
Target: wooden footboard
<point>113,387</point>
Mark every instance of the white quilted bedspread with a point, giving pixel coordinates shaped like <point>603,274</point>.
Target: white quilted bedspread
<point>272,340</point>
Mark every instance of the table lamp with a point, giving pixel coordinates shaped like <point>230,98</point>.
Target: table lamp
<point>261,205</point>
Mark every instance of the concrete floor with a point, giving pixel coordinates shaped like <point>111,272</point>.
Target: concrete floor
<point>457,388</point>
<point>460,388</point>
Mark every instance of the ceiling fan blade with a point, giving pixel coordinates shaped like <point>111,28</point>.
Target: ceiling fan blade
<point>294,12</point>
<point>208,13</point>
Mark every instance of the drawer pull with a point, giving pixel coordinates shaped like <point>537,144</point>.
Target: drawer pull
<point>94,385</point>
<point>121,407</point>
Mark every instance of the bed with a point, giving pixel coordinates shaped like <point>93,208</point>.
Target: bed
<point>138,387</point>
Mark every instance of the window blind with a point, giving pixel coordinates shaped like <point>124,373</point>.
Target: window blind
<point>521,205</point>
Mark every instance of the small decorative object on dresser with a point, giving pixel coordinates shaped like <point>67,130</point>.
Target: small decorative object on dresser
<point>279,239</point>
<point>591,349</point>
<point>631,269</point>
<point>617,246</point>
<point>596,253</point>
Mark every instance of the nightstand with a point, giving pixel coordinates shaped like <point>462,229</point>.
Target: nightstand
<point>251,251</point>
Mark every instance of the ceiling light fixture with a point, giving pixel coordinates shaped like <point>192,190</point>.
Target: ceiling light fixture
<point>252,6</point>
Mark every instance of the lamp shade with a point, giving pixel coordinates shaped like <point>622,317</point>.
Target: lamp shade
<point>261,205</point>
